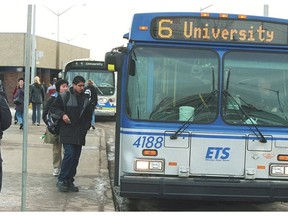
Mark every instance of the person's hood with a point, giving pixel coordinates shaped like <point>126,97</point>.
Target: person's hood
<point>37,85</point>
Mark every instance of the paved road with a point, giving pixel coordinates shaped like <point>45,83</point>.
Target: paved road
<point>41,194</point>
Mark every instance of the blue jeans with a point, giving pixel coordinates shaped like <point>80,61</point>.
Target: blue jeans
<point>36,112</point>
<point>93,119</point>
<point>70,162</point>
<point>19,116</point>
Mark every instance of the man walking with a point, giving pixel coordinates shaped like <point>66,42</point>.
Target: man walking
<point>92,92</point>
<point>75,110</point>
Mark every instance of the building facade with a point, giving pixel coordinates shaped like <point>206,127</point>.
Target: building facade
<point>50,59</point>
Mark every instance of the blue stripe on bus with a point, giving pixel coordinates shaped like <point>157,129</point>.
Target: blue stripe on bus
<point>210,136</point>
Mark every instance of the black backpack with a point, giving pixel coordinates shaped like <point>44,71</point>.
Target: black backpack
<point>53,121</point>
<point>6,116</point>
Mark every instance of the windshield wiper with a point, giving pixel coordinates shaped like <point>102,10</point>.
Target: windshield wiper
<point>272,90</point>
<point>261,139</point>
<point>99,89</point>
<point>198,109</point>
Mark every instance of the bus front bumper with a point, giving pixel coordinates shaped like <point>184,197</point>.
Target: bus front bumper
<point>105,112</point>
<point>204,189</point>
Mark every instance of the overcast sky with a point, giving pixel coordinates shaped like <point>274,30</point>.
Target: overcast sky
<point>100,24</point>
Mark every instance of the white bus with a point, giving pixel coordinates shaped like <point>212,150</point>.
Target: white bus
<point>105,82</point>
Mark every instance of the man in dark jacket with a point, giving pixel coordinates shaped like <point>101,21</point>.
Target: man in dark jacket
<point>92,92</point>
<point>75,111</point>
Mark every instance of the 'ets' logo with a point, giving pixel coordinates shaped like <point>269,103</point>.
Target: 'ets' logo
<point>217,153</point>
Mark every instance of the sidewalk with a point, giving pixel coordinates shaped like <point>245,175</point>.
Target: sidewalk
<point>41,193</point>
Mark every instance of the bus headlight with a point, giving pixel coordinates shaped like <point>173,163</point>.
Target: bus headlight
<point>102,100</point>
<point>149,165</point>
<point>279,170</point>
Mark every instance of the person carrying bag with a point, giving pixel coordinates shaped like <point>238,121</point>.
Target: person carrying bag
<point>61,87</point>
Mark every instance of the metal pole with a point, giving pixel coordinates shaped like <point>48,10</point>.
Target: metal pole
<point>266,10</point>
<point>57,42</point>
<point>33,66</point>
<point>58,26</point>
<point>26,100</point>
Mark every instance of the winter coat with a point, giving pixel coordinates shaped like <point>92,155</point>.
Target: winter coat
<point>79,111</point>
<point>20,93</point>
<point>49,137</point>
<point>93,95</point>
<point>37,93</point>
<point>48,105</point>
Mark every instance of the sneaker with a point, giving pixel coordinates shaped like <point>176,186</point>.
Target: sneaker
<point>15,122</point>
<point>56,172</point>
<point>72,187</point>
<point>21,126</point>
<point>62,186</point>
<point>38,124</point>
<point>93,127</point>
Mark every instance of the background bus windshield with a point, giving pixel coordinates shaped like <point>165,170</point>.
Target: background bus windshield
<point>103,80</point>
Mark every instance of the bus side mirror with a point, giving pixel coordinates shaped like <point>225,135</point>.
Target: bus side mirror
<point>114,60</point>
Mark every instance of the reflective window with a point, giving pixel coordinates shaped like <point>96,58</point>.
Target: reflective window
<point>255,88</point>
<point>173,84</point>
<point>103,80</point>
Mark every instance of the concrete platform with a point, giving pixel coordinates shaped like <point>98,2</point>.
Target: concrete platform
<point>38,192</point>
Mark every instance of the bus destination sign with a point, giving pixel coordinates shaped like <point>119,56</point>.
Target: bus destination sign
<point>220,30</point>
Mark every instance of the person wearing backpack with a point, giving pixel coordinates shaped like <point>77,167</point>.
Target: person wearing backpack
<point>61,86</point>
<point>5,121</point>
<point>76,115</point>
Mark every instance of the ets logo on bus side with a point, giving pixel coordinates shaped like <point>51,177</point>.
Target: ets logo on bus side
<point>217,154</point>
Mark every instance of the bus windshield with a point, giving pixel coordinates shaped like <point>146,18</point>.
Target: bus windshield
<point>166,80</point>
<point>256,84</point>
<point>104,80</point>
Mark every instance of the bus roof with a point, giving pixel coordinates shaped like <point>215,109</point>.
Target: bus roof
<point>85,64</point>
<point>210,27</point>
<point>204,14</point>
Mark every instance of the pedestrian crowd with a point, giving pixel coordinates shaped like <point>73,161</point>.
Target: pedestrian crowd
<point>74,110</point>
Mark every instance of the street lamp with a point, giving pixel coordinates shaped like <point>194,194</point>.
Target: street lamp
<point>76,36</point>
<point>201,9</point>
<point>58,14</point>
